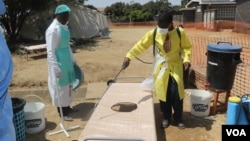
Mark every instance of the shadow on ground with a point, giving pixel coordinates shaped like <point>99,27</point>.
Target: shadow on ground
<point>85,111</point>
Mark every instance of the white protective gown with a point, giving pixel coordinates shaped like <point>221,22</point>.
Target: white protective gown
<point>63,93</point>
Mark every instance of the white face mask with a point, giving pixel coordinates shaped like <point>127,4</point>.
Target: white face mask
<point>162,30</point>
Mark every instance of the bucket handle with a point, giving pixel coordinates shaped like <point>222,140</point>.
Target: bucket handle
<point>30,95</point>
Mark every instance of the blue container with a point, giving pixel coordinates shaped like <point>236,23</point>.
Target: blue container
<point>233,110</point>
<point>245,101</point>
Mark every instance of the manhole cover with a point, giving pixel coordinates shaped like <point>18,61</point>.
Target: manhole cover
<point>124,107</point>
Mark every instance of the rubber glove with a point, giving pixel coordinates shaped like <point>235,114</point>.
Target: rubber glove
<point>126,62</point>
<point>186,65</point>
<point>58,73</point>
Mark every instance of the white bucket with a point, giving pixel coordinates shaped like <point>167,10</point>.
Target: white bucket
<point>200,102</point>
<point>34,117</point>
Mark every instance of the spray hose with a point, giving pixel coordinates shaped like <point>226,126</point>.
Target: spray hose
<point>143,61</point>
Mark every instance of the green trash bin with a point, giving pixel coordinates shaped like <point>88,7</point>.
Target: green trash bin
<point>18,120</point>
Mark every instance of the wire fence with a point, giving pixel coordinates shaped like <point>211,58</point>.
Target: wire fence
<point>241,83</point>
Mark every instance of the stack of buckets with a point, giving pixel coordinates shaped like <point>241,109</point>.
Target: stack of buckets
<point>238,110</point>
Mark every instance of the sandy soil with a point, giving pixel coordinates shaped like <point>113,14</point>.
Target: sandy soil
<point>101,60</point>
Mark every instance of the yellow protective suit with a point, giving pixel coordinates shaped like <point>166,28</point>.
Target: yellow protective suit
<point>170,63</point>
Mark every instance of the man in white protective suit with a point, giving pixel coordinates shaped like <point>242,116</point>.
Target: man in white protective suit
<point>61,61</point>
<point>7,129</point>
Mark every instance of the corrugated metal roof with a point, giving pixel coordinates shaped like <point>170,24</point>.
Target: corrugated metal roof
<point>212,2</point>
<point>217,2</point>
<point>189,8</point>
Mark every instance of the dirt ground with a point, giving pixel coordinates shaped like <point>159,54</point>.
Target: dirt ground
<point>101,60</point>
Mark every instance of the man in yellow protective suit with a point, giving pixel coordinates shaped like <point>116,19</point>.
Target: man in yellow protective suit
<point>173,54</point>
<point>61,74</point>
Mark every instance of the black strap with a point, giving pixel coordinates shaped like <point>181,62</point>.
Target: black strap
<point>178,32</point>
<point>154,34</point>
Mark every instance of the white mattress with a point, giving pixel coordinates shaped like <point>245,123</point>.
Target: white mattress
<point>137,124</point>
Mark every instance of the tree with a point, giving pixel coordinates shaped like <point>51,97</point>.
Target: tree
<point>91,7</point>
<point>16,13</point>
<point>184,2</point>
<point>138,15</point>
<point>121,12</point>
<point>116,11</point>
<point>150,7</point>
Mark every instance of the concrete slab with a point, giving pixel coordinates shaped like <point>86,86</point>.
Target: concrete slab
<point>96,90</point>
<point>132,119</point>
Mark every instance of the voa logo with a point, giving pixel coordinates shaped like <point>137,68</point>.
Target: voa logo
<point>236,132</point>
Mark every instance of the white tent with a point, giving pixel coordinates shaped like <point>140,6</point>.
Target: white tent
<point>102,22</point>
<point>83,23</point>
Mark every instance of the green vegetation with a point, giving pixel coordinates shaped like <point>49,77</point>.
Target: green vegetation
<point>135,12</point>
<point>16,13</point>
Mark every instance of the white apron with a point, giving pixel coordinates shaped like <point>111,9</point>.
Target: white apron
<point>61,93</point>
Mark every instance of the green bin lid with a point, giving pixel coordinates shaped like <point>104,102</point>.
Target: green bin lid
<point>224,47</point>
